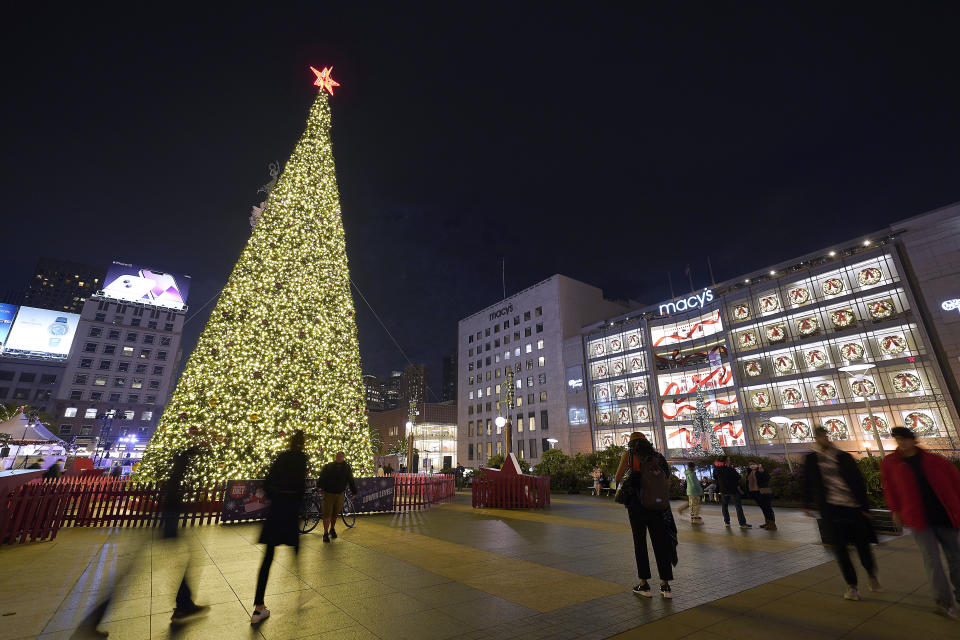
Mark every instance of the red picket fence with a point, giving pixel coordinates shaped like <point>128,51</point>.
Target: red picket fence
<point>416,491</point>
<point>38,511</point>
<point>511,492</point>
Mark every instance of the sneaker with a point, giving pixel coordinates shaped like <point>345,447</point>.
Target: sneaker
<point>950,612</point>
<point>184,615</point>
<point>259,615</point>
<point>874,584</point>
<point>851,594</point>
<point>665,591</point>
<point>726,524</point>
<point>333,534</point>
<point>746,526</point>
<point>326,538</point>
<point>643,589</point>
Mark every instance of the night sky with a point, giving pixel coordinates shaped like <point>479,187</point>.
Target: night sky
<point>609,144</point>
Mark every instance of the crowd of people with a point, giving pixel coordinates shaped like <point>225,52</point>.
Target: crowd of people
<point>922,491</point>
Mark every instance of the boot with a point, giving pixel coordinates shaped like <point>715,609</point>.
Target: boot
<point>769,525</point>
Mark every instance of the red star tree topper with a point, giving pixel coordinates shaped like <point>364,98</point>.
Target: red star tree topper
<point>324,79</point>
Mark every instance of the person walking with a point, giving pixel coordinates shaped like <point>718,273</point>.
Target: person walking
<point>334,479</point>
<point>53,472</point>
<point>923,492</point>
<point>758,488</point>
<point>832,483</point>
<point>596,474</point>
<point>285,486</point>
<point>646,495</point>
<point>728,486</point>
<point>458,474</point>
<point>694,494</point>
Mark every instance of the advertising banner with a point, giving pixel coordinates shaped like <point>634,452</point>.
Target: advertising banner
<point>137,283</point>
<point>42,333</point>
<point>374,494</point>
<point>245,500</point>
<point>7,313</point>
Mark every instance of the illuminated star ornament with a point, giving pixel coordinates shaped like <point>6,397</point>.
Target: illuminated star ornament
<point>324,81</point>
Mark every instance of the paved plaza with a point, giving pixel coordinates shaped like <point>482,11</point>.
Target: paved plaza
<point>457,572</point>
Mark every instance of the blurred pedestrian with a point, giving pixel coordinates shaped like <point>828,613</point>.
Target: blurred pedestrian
<point>728,486</point>
<point>53,471</point>
<point>758,488</point>
<point>710,491</point>
<point>172,507</point>
<point>694,494</point>
<point>833,484</point>
<point>334,479</point>
<point>596,475</point>
<point>646,495</point>
<point>285,486</point>
<point>458,475</point>
<point>923,492</point>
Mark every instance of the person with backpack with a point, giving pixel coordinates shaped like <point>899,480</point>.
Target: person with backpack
<point>644,480</point>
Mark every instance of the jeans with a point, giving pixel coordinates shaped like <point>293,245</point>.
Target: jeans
<point>930,542</point>
<point>694,502</point>
<point>725,500</point>
<point>763,501</point>
<point>849,526</point>
<point>641,521</point>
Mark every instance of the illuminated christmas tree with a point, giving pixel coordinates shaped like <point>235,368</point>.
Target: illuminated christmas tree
<point>703,432</point>
<point>280,350</point>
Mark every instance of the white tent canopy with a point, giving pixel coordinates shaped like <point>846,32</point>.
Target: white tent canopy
<point>21,431</point>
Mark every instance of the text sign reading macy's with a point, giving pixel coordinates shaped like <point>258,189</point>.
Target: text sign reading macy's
<point>502,312</point>
<point>694,301</point>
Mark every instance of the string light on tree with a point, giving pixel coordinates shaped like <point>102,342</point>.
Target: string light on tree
<point>280,350</point>
<point>703,432</point>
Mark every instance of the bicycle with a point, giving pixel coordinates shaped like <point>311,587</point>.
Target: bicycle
<point>311,513</point>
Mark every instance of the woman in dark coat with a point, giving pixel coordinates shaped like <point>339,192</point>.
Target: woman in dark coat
<point>758,488</point>
<point>285,487</point>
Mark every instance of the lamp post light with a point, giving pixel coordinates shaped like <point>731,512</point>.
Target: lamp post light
<point>856,372</point>
<point>553,442</point>
<point>781,423</point>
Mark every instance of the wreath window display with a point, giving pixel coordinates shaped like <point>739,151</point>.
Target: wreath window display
<point>880,309</point>
<point>598,349</point>
<point>920,423</point>
<point>783,363</point>
<point>843,318</point>
<point>753,368</point>
<point>832,286</point>
<point>800,429</point>
<point>741,312</point>
<point>851,351</point>
<point>641,413</point>
<point>799,295</point>
<point>606,417</point>
<point>618,367</point>
<point>620,390</point>
<point>825,392</point>
<point>892,344</point>
<point>770,303</point>
<point>863,388</point>
<point>776,332</point>
<point>906,382</point>
<point>878,421</point>
<point>767,430</point>
<point>633,341</point>
<point>616,345</point>
<point>808,326</point>
<point>636,364</point>
<point>869,276</point>
<point>639,388</point>
<point>600,370</point>
<point>603,393</point>
<point>791,396</point>
<point>816,358</point>
<point>623,415</point>
<point>747,339</point>
<point>760,399</point>
<point>836,427</point>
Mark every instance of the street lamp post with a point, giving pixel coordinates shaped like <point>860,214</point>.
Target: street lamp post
<point>856,372</point>
<point>553,442</point>
<point>781,423</point>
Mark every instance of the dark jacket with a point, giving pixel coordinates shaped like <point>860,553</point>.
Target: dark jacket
<point>335,477</point>
<point>727,479</point>
<point>903,493</point>
<point>173,494</point>
<point>815,492</point>
<point>285,486</point>
<point>763,479</point>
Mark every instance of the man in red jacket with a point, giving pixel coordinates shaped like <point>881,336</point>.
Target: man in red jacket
<point>923,492</point>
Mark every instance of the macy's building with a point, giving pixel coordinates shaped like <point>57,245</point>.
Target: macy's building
<point>767,349</point>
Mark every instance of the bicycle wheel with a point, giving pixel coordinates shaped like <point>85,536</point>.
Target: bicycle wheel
<point>348,515</point>
<point>311,515</point>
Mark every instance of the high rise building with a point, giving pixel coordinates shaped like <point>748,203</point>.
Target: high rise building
<point>391,390</point>
<point>434,433</point>
<point>373,390</point>
<point>524,338</point>
<point>413,384</point>
<point>62,285</point>
<point>448,392</point>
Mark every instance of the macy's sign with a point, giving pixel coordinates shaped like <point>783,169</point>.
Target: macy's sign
<point>685,304</point>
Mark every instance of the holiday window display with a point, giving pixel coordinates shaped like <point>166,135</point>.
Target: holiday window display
<point>776,332</point>
<point>825,392</point>
<point>741,312</point>
<point>799,295</point>
<point>832,286</point>
<point>808,326</point>
<point>602,392</point>
<point>620,390</point>
<point>598,349</point>
<point>616,345</point>
<point>800,429</point>
<point>920,422</point>
<point>816,358</point>
<point>791,396</point>
<point>760,399</point>
<point>606,439</point>
<point>636,363</point>
<point>863,388</point>
<point>880,309</point>
<point>878,422</point>
<point>767,430</point>
<point>600,370</point>
<point>783,363</point>
<point>619,367</point>
<point>892,344</point>
<point>851,351</point>
<point>605,416</point>
<point>702,436</point>
<point>747,339</point>
<point>869,276</point>
<point>906,382</point>
<point>769,303</point>
<point>753,368</point>
<point>640,388</point>
<point>641,413</point>
<point>633,340</point>
<point>843,318</point>
<point>623,415</point>
<point>836,427</point>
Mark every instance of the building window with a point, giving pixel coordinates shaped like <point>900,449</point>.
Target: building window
<point>151,324</point>
<point>533,448</point>
<point>530,398</point>
<point>151,400</point>
<point>470,339</point>
<point>105,365</point>
<point>99,381</point>
<point>516,320</point>
<point>168,326</point>
<point>488,361</point>
<point>496,343</point>
<point>158,371</point>
<point>540,343</point>
<point>6,375</point>
<point>470,353</point>
<point>543,420</point>
<point>529,381</point>
<point>86,363</point>
<point>128,351</point>
<point>532,421</point>
<point>113,397</point>
<point>520,448</point>
<point>153,384</point>
<point>133,398</point>
<point>164,341</point>
<point>148,339</point>
<point>96,332</point>
<point>527,332</point>
<point>538,311</point>
<point>499,447</point>
<point>96,396</point>
<point>489,406</point>
<point>161,355</point>
<point>469,366</point>
<point>486,332</point>
<point>90,347</point>
<point>496,328</point>
<point>146,415</point>
<point>119,382</point>
<point>131,337</point>
<point>144,353</point>
<point>90,413</point>
<point>529,364</point>
<point>543,396</point>
<point>86,430</point>
<point>540,327</point>
<point>80,378</point>
<point>65,429</point>
<point>470,395</point>
<point>113,334</point>
<point>70,412</point>
<point>541,361</point>
<point>135,322</point>
<point>489,454</point>
<point>470,451</point>
<point>109,349</point>
<point>141,368</point>
<point>123,366</point>
<point>128,414</point>
<point>137,383</point>
<point>76,394</point>
<point>100,317</point>
<point>526,316</point>
<point>506,340</point>
<point>542,378</point>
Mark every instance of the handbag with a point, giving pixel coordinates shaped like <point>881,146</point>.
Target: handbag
<point>626,492</point>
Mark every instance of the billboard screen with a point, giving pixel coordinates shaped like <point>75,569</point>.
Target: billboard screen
<point>42,333</point>
<point>143,284</point>
<point>7,312</point>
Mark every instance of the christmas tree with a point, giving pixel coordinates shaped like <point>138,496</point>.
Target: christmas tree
<point>280,350</point>
<point>703,431</point>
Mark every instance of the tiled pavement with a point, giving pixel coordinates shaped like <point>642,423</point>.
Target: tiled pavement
<point>456,572</point>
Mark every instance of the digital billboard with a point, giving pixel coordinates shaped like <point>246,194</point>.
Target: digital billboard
<point>7,313</point>
<point>144,284</point>
<point>42,333</point>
